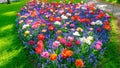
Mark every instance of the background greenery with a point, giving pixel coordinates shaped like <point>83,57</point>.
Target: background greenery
<point>12,53</point>
<point>113,1</point>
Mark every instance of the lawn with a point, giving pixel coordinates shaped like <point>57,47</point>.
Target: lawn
<point>12,53</point>
<point>113,1</point>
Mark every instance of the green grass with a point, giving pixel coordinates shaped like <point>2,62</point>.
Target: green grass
<point>12,53</point>
<point>113,1</point>
<point>11,49</point>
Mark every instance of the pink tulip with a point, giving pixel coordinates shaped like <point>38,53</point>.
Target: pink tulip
<point>56,43</point>
<point>45,54</point>
<point>72,25</point>
<point>99,43</point>
<point>63,40</point>
<point>34,26</point>
<point>65,25</point>
<point>70,38</point>
<point>91,29</point>
<point>77,42</point>
<point>98,47</point>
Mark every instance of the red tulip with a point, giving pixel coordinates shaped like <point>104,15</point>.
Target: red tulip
<point>76,17</point>
<point>51,27</point>
<point>31,42</point>
<point>58,19</point>
<point>40,44</point>
<point>69,44</point>
<point>51,19</point>
<point>92,12</point>
<point>38,50</point>
<point>41,37</point>
<point>70,10</point>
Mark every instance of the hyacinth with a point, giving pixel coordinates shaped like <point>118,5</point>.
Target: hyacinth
<point>63,35</point>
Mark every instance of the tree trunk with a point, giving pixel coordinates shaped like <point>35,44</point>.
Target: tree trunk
<point>8,1</point>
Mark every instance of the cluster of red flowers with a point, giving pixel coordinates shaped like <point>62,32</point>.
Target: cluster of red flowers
<point>40,44</point>
<point>107,26</point>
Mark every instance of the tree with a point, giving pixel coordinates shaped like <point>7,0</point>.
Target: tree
<point>8,1</point>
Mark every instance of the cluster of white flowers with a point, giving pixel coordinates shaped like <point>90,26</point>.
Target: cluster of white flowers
<point>25,26</point>
<point>87,40</point>
<point>64,17</point>
<point>98,22</point>
<point>84,8</point>
<point>76,33</point>
<point>57,23</point>
<point>68,14</point>
<point>21,21</point>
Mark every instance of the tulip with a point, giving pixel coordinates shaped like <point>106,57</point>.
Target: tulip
<point>98,47</point>
<point>57,23</point>
<point>53,57</point>
<point>40,44</point>
<point>27,32</point>
<point>56,43</point>
<point>58,19</point>
<point>38,50</point>
<point>51,28</point>
<point>72,25</point>
<point>43,25</point>
<point>79,63</point>
<point>77,42</point>
<point>70,38</point>
<point>44,30</point>
<point>68,44</point>
<point>76,33</point>
<point>99,43</point>
<point>51,19</point>
<point>41,37</point>
<point>59,37</point>
<point>63,40</point>
<point>45,54</point>
<point>58,32</point>
<point>66,53</point>
<point>31,42</point>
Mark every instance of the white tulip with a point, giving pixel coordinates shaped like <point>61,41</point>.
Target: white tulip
<point>98,22</point>
<point>25,26</point>
<point>64,17</point>
<point>69,14</point>
<point>90,38</point>
<point>76,33</point>
<point>57,23</point>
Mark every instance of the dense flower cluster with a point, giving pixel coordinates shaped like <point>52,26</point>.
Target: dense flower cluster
<point>64,35</point>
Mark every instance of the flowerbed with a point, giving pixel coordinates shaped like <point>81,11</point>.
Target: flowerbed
<point>63,35</point>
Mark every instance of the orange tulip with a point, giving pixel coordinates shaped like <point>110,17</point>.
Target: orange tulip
<point>106,26</point>
<point>59,37</point>
<point>79,63</point>
<point>67,53</point>
<point>53,57</point>
<point>51,19</point>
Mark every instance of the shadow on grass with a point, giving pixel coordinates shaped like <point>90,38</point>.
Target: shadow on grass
<point>12,53</point>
